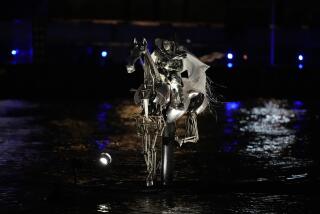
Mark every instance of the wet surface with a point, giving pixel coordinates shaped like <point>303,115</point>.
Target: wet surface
<point>254,156</point>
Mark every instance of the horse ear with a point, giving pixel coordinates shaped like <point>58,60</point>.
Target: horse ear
<point>144,41</point>
<point>135,41</point>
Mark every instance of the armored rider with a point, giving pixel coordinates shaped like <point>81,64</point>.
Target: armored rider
<point>169,61</point>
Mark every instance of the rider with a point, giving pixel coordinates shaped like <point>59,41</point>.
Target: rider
<point>168,59</point>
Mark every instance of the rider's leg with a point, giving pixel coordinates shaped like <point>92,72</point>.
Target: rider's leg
<point>177,89</point>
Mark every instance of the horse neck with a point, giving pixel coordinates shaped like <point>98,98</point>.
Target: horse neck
<point>150,63</point>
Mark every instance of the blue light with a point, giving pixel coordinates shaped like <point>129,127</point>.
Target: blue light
<point>230,56</point>
<point>104,54</point>
<point>300,66</point>
<point>232,106</point>
<point>105,106</point>
<point>14,52</point>
<point>102,144</point>
<point>230,65</point>
<point>300,57</point>
<point>297,104</point>
<point>230,147</point>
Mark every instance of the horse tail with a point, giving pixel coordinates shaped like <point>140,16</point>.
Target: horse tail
<point>211,95</point>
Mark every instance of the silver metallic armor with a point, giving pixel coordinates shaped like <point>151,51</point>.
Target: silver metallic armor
<point>168,59</point>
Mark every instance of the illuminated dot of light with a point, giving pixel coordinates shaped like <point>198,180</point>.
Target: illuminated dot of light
<point>104,54</point>
<point>230,56</point>
<point>14,52</point>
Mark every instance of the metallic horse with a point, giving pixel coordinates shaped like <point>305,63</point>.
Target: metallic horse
<point>154,96</point>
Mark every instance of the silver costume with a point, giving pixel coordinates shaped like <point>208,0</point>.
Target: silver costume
<point>168,59</point>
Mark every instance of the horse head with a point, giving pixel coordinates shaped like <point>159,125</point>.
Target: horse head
<point>137,51</point>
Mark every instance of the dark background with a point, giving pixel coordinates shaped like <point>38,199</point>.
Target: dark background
<point>59,45</point>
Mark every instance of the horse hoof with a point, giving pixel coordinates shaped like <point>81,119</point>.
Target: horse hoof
<point>149,183</point>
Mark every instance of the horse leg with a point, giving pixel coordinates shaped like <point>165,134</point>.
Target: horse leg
<point>167,153</point>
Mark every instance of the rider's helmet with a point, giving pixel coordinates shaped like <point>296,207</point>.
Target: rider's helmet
<point>169,46</point>
<point>166,46</point>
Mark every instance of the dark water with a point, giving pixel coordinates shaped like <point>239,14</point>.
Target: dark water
<point>254,156</point>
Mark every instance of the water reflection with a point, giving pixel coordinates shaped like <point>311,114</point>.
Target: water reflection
<point>103,125</point>
<point>230,147</point>
<point>270,134</point>
<point>9,106</point>
<point>232,106</point>
<point>268,146</point>
<point>230,143</point>
<point>298,104</point>
<point>269,126</point>
<point>217,203</point>
<point>16,148</point>
<point>293,177</point>
<point>254,141</point>
<point>164,204</point>
<point>104,208</point>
